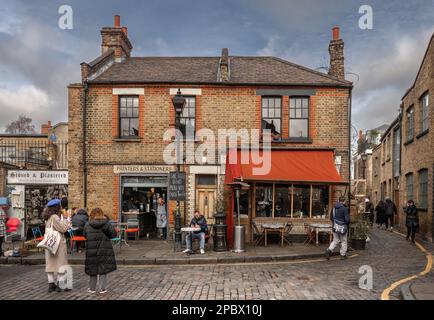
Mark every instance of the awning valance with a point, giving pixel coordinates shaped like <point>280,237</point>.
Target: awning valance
<point>305,166</point>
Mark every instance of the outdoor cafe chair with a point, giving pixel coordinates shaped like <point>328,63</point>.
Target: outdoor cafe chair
<point>310,235</point>
<point>132,227</point>
<point>287,231</point>
<point>73,238</point>
<point>257,235</point>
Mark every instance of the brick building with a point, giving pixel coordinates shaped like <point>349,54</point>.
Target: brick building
<point>418,142</point>
<point>122,107</point>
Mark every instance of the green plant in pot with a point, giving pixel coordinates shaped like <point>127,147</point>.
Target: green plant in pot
<point>360,231</point>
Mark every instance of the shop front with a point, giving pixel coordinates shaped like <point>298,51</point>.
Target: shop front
<point>29,192</point>
<point>300,187</point>
<point>140,188</point>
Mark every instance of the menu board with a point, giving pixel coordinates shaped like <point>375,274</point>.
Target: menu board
<point>177,186</point>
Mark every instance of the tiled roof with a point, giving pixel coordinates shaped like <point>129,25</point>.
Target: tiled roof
<point>243,70</point>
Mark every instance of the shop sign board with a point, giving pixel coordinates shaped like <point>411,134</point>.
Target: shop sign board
<point>142,169</point>
<point>23,177</point>
<point>177,186</point>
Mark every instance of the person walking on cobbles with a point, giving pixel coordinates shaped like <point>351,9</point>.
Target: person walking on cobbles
<point>369,210</point>
<point>412,220</point>
<point>380,211</point>
<point>100,256</point>
<point>340,219</point>
<point>53,262</point>
<point>390,213</point>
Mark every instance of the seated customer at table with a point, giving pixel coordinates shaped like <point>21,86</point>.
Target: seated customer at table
<point>198,221</point>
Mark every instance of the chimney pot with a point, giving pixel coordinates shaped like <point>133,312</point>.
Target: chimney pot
<point>117,21</point>
<point>336,33</point>
<point>125,31</point>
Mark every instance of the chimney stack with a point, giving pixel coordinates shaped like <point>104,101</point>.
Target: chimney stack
<point>224,72</point>
<point>46,127</point>
<point>336,51</point>
<point>116,38</point>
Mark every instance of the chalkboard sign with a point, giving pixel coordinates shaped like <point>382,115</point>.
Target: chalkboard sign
<point>177,186</point>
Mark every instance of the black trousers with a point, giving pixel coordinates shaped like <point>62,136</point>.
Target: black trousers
<point>387,219</point>
<point>411,232</point>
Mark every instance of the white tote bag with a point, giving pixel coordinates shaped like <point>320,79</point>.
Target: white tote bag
<point>51,240</point>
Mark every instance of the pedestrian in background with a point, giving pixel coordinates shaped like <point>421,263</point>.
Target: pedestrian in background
<point>412,220</point>
<point>53,262</point>
<point>340,220</point>
<point>369,209</point>
<point>100,257</point>
<point>79,220</point>
<point>161,215</point>
<point>390,213</point>
<point>380,211</point>
<point>2,229</point>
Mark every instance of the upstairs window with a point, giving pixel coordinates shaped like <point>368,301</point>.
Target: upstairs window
<point>188,118</point>
<point>424,107</point>
<point>409,186</point>
<point>129,116</point>
<point>272,116</point>
<point>299,118</point>
<point>410,124</point>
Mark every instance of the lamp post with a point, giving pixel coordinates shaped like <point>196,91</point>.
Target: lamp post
<point>178,104</point>
<point>364,158</point>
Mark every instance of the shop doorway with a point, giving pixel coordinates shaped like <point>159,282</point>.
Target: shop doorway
<point>139,200</point>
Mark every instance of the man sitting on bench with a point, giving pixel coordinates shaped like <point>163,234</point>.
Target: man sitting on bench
<point>198,221</point>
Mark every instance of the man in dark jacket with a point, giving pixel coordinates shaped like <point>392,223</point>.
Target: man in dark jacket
<point>412,220</point>
<point>340,220</point>
<point>390,213</point>
<point>78,222</point>
<point>198,221</point>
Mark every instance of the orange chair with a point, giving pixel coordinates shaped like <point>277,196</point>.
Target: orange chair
<point>74,238</point>
<point>133,227</point>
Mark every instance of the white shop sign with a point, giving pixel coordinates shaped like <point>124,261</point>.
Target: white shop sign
<point>142,169</point>
<point>37,177</point>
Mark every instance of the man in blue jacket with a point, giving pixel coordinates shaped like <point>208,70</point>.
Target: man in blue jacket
<point>198,221</point>
<point>340,220</point>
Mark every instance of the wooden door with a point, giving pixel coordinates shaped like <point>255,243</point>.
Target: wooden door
<point>205,202</point>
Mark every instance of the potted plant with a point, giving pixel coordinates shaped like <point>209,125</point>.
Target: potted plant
<point>359,233</point>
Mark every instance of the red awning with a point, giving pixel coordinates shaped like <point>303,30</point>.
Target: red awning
<point>306,166</point>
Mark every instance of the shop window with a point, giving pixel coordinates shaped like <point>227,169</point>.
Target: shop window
<point>282,200</point>
<point>272,116</point>
<point>299,118</point>
<point>320,200</point>
<point>301,198</point>
<point>188,118</point>
<point>129,116</point>
<point>264,201</point>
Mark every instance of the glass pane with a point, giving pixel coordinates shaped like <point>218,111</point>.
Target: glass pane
<point>135,112</point>
<point>134,123</point>
<point>264,201</point>
<point>277,126</point>
<point>282,207</point>
<point>123,103</point>
<point>189,127</point>
<point>277,112</point>
<point>298,113</point>
<point>271,113</point>
<point>192,112</point>
<point>305,103</point>
<point>264,113</point>
<point>135,102</point>
<point>305,113</point>
<point>206,180</point>
<point>298,128</point>
<point>292,113</point>
<point>123,112</point>
<point>301,201</point>
<point>125,127</point>
<point>292,103</point>
<point>320,201</point>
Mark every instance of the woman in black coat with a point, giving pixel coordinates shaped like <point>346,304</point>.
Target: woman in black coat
<point>412,220</point>
<point>100,257</point>
<point>380,211</point>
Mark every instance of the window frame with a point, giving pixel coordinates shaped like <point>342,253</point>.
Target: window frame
<point>120,117</point>
<point>290,118</point>
<point>195,114</point>
<point>424,119</point>
<point>279,118</point>
<point>410,123</point>
<point>423,204</point>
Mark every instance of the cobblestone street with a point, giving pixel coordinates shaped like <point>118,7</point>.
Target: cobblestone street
<point>391,257</point>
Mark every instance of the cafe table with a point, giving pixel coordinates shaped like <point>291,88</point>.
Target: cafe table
<point>122,227</point>
<point>321,227</point>
<point>273,228</point>
<point>190,229</point>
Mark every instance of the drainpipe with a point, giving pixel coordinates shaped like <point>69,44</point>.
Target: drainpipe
<point>86,89</point>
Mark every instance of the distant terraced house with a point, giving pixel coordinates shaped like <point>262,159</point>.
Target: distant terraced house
<point>122,106</point>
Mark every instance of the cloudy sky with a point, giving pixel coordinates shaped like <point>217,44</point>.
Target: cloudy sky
<point>38,59</point>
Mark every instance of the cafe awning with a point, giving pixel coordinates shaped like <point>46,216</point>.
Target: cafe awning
<point>292,166</point>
